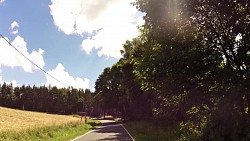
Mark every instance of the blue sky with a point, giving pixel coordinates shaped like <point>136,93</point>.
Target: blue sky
<point>73,40</point>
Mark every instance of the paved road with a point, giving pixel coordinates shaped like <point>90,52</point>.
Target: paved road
<point>109,131</point>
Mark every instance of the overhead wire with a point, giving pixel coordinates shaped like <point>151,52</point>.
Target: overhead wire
<point>32,61</point>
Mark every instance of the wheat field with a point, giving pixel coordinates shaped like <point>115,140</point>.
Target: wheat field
<point>11,119</point>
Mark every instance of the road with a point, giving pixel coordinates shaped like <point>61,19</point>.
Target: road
<point>109,131</point>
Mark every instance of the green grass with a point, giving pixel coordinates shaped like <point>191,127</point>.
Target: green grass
<point>51,133</point>
<point>144,131</point>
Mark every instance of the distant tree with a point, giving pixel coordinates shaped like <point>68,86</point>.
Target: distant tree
<point>88,100</point>
<point>107,86</point>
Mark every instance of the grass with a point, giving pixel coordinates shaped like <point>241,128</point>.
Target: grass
<point>32,126</point>
<point>50,133</point>
<point>145,131</point>
<point>11,119</point>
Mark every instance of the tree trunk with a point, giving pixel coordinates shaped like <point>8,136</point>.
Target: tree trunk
<point>124,112</point>
<point>104,114</point>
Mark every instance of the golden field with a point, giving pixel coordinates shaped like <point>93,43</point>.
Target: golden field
<point>17,120</point>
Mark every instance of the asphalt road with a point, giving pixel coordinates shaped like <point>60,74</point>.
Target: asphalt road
<point>109,131</point>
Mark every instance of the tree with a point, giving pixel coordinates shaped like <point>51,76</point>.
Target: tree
<point>107,86</point>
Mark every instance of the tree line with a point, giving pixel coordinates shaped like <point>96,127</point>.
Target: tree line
<point>189,69</point>
<point>46,99</point>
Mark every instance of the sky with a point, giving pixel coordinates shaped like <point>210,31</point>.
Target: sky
<point>71,40</point>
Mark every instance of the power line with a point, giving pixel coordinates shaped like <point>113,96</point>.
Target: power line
<point>32,61</point>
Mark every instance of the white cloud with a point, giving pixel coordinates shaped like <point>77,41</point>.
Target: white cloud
<point>1,80</point>
<point>14,24</point>
<point>13,82</point>
<point>15,32</point>
<point>64,77</point>
<point>14,27</point>
<point>2,1</point>
<point>109,40</point>
<point>114,20</point>
<point>10,57</point>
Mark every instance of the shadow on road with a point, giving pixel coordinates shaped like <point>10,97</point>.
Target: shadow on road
<point>116,138</point>
<point>114,128</point>
<point>108,130</point>
<point>94,124</point>
<point>109,123</point>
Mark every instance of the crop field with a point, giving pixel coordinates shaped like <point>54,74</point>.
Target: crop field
<point>17,120</point>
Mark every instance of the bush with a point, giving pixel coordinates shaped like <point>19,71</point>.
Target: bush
<point>192,129</point>
<point>146,131</point>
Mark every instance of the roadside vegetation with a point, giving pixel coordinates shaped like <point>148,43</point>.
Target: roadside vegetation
<point>146,131</point>
<point>188,73</point>
<point>31,126</point>
<point>45,99</point>
<point>12,119</point>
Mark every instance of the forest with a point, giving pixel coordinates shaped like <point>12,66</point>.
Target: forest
<point>45,99</point>
<point>188,70</point>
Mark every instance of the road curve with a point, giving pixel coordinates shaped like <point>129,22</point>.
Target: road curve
<point>109,131</point>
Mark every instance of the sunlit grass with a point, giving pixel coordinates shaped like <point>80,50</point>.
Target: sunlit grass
<point>25,125</point>
<point>50,133</point>
<point>17,120</point>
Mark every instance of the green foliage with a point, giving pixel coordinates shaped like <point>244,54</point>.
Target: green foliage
<point>45,99</point>
<point>227,122</point>
<point>107,94</point>
<point>119,93</point>
<point>191,66</point>
<point>147,131</point>
<point>193,128</point>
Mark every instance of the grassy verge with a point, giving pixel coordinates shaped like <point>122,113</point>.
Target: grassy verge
<point>51,133</point>
<point>144,131</point>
